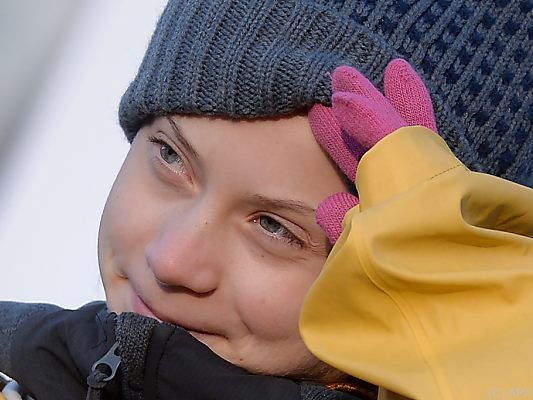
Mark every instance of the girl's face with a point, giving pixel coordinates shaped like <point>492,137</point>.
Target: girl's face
<point>210,225</point>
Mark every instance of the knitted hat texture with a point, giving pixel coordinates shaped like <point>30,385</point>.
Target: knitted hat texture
<point>260,58</point>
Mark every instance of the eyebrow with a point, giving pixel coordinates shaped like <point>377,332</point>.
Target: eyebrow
<point>178,133</point>
<point>295,206</point>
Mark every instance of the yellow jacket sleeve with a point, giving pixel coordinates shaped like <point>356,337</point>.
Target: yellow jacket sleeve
<point>429,290</point>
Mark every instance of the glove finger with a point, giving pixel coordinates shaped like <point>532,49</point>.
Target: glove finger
<point>348,79</point>
<point>366,121</point>
<point>331,211</point>
<point>407,93</point>
<point>342,148</point>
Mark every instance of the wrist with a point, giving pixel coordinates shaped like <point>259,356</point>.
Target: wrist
<point>401,160</point>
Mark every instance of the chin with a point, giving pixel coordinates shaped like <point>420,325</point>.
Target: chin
<point>298,367</point>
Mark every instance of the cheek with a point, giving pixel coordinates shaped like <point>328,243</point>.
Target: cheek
<point>126,224</point>
<point>270,297</point>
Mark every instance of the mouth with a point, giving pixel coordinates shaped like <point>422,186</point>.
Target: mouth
<point>140,307</point>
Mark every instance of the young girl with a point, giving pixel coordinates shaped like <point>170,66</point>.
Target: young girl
<point>208,243</point>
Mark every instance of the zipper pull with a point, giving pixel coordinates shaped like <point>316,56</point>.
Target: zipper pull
<point>105,369</point>
<point>109,363</point>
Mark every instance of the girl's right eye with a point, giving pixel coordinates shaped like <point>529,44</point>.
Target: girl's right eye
<point>169,159</point>
<point>167,153</point>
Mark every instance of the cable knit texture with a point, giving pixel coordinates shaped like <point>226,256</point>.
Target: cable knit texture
<point>257,58</point>
<point>133,333</point>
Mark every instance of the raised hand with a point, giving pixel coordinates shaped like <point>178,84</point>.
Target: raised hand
<point>360,117</point>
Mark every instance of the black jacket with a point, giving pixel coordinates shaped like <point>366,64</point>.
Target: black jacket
<point>53,353</point>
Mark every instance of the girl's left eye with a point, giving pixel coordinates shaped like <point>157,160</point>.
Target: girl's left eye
<point>278,230</point>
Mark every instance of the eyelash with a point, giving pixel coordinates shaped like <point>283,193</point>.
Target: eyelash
<point>288,237</point>
<point>160,142</point>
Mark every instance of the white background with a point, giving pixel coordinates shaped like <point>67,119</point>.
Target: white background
<point>66,150</point>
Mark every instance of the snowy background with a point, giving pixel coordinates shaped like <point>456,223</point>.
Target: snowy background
<point>64,67</point>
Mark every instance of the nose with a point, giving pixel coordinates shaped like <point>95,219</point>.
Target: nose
<point>186,252</point>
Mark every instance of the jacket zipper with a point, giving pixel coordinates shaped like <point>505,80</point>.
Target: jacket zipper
<point>102,372</point>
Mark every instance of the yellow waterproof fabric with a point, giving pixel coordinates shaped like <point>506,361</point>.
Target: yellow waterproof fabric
<point>429,290</point>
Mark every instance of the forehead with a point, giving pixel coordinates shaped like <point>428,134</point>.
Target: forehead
<point>276,156</point>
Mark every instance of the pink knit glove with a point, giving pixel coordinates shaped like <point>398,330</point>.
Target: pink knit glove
<point>360,116</point>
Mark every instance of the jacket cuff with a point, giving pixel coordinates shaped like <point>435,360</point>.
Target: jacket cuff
<point>400,161</point>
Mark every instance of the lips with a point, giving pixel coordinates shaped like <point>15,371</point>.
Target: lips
<point>140,307</point>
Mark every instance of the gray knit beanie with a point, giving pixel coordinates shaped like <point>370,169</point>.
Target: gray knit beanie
<point>259,58</point>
